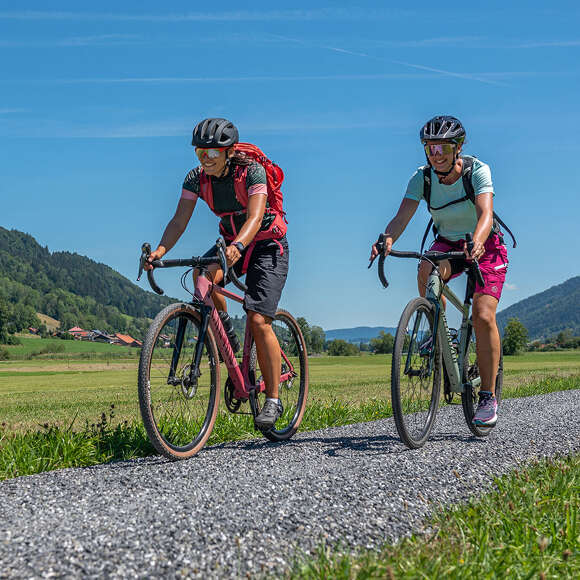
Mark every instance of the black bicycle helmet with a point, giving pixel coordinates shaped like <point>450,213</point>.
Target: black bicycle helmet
<point>215,133</point>
<point>443,128</point>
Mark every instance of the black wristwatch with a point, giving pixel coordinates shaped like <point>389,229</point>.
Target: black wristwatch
<point>240,246</point>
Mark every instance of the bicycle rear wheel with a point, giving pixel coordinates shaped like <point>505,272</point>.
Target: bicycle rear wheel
<point>470,395</point>
<point>178,409</point>
<point>293,391</point>
<point>415,388</point>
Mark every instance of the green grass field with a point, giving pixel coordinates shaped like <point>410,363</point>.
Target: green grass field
<point>37,391</point>
<point>67,349</point>
<point>528,527</point>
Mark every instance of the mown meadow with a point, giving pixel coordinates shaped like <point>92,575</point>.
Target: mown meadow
<point>51,381</point>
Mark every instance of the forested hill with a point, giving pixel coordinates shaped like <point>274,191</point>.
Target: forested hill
<point>548,312</point>
<point>69,287</point>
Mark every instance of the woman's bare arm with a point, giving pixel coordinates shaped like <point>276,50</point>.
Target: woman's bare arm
<point>398,224</point>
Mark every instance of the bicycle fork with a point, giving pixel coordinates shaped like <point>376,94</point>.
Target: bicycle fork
<point>194,371</point>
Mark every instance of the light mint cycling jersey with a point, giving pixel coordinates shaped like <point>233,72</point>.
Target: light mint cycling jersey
<point>455,221</point>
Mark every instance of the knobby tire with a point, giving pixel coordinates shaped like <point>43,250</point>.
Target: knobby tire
<point>168,411</point>
<point>414,422</point>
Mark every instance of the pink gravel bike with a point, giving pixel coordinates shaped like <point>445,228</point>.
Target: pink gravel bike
<point>179,371</point>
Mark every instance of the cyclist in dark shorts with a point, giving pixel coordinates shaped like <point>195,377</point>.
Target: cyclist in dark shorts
<point>443,138</point>
<point>255,235</point>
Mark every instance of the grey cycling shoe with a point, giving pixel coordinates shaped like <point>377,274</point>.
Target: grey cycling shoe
<point>269,414</point>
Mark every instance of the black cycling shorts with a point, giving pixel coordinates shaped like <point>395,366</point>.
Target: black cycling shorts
<point>265,276</point>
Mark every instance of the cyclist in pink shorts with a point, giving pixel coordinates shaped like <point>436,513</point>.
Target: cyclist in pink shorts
<point>457,212</point>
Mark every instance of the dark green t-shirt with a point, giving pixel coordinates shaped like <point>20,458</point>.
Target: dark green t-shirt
<point>224,195</point>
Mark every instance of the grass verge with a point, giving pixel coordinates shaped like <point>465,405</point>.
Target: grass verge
<point>55,447</point>
<point>529,527</point>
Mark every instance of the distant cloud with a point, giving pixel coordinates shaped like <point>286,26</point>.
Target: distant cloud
<point>548,44</point>
<point>490,77</point>
<point>333,13</point>
<point>227,79</point>
<point>430,42</point>
<point>75,41</point>
<point>177,128</point>
<point>100,39</point>
<point>508,286</point>
<point>11,111</point>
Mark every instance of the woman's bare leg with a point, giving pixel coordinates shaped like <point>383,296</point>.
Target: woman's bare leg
<point>268,351</point>
<point>487,341</point>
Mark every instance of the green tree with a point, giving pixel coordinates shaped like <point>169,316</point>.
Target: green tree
<point>564,336</point>
<point>339,347</point>
<point>306,332</point>
<point>515,337</point>
<point>317,338</point>
<point>5,313</point>
<point>383,344</point>
<point>23,317</point>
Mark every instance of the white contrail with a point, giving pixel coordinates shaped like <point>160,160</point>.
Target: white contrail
<point>465,76</point>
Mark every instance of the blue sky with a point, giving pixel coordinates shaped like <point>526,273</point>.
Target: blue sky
<point>97,104</point>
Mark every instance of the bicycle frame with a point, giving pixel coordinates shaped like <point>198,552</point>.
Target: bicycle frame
<point>454,362</point>
<point>240,376</point>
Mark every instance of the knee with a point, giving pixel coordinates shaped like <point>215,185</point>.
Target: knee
<point>423,275</point>
<point>484,317</point>
<point>259,324</point>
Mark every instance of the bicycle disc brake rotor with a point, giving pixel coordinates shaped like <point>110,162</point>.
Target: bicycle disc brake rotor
<point>188,386</point>
<point>288,383</point>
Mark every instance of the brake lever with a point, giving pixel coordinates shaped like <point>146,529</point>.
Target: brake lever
<point>145,253</point>
<point>221,248</point>
<point>380,249</point>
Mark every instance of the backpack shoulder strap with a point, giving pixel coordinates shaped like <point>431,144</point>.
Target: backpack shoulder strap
<point>425,235</point>
<point>240,187</point>
<point>205,188</point>
<point>466,175</point>
<point>426,169</point>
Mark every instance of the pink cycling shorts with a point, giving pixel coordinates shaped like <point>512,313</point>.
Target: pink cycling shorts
<point>493,264</point>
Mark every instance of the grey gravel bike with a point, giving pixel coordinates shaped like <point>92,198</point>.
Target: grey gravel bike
<point>425,349</point>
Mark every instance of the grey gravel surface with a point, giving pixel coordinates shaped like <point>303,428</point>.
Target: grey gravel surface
<point>246,509</point>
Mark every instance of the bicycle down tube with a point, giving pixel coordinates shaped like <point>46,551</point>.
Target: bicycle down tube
<point>452,360</point>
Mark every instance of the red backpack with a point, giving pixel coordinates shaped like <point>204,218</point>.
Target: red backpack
<point>274,179</point>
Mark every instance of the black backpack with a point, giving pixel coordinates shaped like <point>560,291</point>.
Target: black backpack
<point>469,196</point>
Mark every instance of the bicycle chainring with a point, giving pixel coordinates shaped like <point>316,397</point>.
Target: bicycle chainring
<point>232,404</point>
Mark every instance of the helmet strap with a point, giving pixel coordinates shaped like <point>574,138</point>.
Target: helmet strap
<point>226,168</point>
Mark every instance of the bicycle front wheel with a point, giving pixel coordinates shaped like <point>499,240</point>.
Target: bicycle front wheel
<point>178,408</point>
<point>416,373</point>
<point>470,395</point>
<point>293,388</point>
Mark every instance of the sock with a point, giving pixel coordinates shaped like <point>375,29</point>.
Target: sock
<point>273,400</point>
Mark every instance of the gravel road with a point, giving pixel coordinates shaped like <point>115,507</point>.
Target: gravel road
<point>246,508</point>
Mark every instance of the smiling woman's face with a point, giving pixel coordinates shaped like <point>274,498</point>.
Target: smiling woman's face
<point>442,158</point>
<point>213,161</point>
